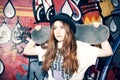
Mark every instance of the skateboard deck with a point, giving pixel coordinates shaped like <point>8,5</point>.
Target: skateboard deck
<point>85,33</point>
<point>41,36</point>
<point>90,34</point>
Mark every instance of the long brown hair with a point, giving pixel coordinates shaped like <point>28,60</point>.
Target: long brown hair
<point>68,51</point>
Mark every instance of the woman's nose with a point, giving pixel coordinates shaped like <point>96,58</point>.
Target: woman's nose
<point>58,31</point>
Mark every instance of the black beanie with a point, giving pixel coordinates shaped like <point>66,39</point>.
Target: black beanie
<point>65,18</point>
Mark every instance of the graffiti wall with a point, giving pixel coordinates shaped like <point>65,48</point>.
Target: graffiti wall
<point>19,17</point>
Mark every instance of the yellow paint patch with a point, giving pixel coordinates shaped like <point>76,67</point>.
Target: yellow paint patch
<point>24,13</point>
<point>106,7</point>
<point>20,13</point>
<point>87,20</point>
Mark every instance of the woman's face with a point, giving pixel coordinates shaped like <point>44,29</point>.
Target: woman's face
<point>59,31</point>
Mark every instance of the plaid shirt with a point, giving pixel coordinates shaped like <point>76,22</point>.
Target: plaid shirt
<point>57,65</point>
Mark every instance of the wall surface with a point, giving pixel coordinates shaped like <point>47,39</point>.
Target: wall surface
<point>19,17</point>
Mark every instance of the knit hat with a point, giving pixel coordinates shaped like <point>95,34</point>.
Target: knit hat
<point>65,18</point>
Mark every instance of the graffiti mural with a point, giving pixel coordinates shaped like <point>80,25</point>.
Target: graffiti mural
<point>18,19</point>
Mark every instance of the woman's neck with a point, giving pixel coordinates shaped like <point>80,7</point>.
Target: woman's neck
<point>60,44</point>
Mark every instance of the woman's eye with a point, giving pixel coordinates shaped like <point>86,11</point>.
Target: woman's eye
<point>54,27</point>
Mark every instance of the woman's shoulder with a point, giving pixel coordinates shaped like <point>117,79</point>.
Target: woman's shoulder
<point>86,52</point>
<point>80,43</point>
<point>86,46</point>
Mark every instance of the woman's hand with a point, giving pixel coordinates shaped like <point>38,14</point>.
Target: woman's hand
<point>38,27</point>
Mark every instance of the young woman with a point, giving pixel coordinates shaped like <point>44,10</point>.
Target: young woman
<point>66,58</point>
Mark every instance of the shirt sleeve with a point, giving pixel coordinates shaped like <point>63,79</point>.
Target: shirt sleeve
<point>40,52</point>
<point>92,55</point>
<point>86,55</point>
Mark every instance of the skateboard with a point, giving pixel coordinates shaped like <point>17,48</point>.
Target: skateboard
<point>85,33</point>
